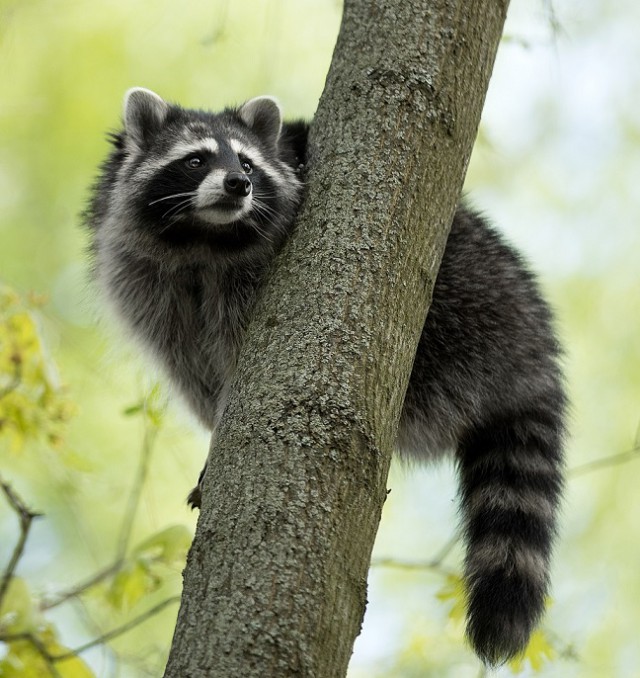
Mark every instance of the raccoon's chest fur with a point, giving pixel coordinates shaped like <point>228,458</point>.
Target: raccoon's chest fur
<point>192,319</point>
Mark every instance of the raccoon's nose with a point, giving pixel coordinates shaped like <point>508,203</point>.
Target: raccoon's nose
<point>237,183</point>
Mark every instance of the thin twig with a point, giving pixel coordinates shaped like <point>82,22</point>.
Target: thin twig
<point>612,460</point>
<point>411,565</point>
<point>127,525</point>
<point>445,551</point>
<point>118,631</point>
<point>434,564</point>
<point>26,517</point>
<point>133,502</point>
<point>80,588</point>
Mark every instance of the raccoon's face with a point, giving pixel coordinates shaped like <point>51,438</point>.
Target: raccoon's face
<point>196,178</point>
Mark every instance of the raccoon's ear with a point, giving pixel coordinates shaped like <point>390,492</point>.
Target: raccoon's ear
<point>144,113</point>
<point>264,117</point>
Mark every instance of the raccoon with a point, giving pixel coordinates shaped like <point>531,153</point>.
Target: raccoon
<point>186,217</point>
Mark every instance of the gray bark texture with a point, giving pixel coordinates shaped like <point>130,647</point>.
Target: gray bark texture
<point>276,579</point>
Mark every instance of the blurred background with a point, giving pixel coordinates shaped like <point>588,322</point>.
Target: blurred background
<point>86,439</point>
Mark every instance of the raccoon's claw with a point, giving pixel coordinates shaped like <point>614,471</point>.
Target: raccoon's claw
<point>195,497</point>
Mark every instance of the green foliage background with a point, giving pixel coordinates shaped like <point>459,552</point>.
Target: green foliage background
<point>557,168</point>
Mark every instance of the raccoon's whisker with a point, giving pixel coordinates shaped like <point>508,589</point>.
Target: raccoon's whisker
<point>266,218</point>
<point>180,207</point>
<point>263,208</point>
<point>175,195</point>
<point>262,233</point>
<point>265,194</point>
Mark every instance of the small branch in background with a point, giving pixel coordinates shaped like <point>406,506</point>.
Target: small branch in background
<point>124,537</point>
<point>133,502</point>
<point>52,659</point>
<point>434,564</point>
<point>122,547</point>
<point>80,588</point>
<point>26,516</point>
<point>118,631</point>
<point>613,460</point>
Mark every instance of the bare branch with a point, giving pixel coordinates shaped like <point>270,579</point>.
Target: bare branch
<point>80,588</point>
<point>26,516</point>
<point>434,564</point>
<point>613,460</point>
<point>118,631</point>
<point>133,502</point>
<point>127,524</point>
<point>412,565</point>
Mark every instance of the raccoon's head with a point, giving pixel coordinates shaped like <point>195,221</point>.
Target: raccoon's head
<point>183,179</point>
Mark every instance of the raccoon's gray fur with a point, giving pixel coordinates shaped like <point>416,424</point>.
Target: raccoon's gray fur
<point>187,214</point>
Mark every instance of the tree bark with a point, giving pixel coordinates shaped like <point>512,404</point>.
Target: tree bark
<point>275,583</point>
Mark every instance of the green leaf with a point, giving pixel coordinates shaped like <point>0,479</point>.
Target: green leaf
<point>23,660</point>
<point>18,613</point>
<point>131,583</point>
<point>538,652</point>
<point>33,405</point>
<point>169,546</point>
<point>73,667</point>
<point>152,407</point>
<point>454,591</point>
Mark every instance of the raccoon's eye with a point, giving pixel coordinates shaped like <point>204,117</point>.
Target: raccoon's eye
<point>247,168</point>
<point>194,162</point>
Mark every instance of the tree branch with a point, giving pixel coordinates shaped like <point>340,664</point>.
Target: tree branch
<point>83,586</point>
<point>26,517</point>
<point>604,462</point>
<point>150,433</point>
<point>128,520</point>
<point>118,631</point>
<point>434,564</point>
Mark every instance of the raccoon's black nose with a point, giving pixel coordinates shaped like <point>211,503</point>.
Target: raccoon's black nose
<point>237,183</point>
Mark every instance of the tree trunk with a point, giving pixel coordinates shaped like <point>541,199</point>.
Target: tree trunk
<point>275,583</point>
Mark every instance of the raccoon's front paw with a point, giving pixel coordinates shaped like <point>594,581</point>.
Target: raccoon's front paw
<point>195,497</point>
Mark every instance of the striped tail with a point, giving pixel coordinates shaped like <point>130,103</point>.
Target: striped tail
<point>511,472</point>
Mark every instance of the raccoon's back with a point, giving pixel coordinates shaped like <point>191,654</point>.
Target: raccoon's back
<point>488,343</point>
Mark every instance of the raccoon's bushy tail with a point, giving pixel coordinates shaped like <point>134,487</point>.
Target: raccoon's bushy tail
<point>511,480</point>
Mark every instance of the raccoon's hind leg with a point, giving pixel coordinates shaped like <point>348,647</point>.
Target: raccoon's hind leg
<point>511,480</point>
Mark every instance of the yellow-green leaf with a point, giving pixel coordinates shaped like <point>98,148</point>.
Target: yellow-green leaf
<point>73,667</point>
<point>538,652</point>
<point>168,546</point>
<point>18,613</point>
<point>33,405</point>
<point>152,406</point>
<point>130,584</point>
<point>454,592</point>
<point>23,661</point>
